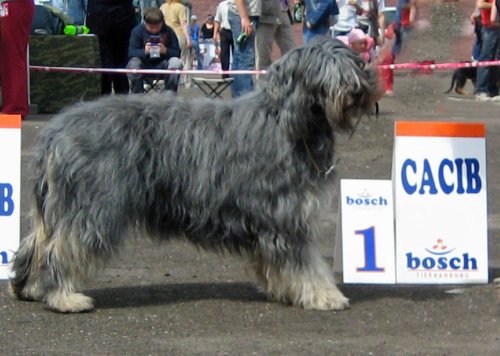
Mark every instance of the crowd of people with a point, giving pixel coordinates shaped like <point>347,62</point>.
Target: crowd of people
<point>165,34</point>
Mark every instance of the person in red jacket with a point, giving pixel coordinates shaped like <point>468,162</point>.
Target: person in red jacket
<point>15,26</point>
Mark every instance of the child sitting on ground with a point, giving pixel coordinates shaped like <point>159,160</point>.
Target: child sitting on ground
<point>359,42</point>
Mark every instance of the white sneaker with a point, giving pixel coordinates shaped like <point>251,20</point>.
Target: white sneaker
<point>482,97</point>
<point>495,98</point>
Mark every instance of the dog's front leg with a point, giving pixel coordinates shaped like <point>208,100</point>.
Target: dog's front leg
<point>299,276</point>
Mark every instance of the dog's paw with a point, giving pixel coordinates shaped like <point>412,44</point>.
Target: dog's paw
<point>337,302</point>
<point>69,302</point>
<point>31,292</point>
<point>331,299</point>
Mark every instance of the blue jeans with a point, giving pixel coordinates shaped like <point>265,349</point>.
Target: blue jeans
<point>487,77</point>
<point>478,43</point>
<point>401,34</point>
<point>75,9</point>
<point>243,56</point>
<point>310,34</point>
<point>195,45</point>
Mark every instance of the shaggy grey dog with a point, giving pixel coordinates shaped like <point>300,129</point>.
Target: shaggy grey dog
<point>241,175</point>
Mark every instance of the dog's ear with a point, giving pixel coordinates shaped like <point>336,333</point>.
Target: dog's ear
<point>324,78</point>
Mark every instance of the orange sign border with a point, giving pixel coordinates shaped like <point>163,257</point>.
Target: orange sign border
<point>10,121</point>
<point>439,129</point>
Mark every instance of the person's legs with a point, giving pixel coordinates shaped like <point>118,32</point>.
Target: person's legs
<point>399,33</point>
<point>264,45</point>
<point>476,49</point>
<point>171,80</point>
<point>493,84</point>
<point>136,81</point>
<point>113,50</point>
<point>226,46</point>
<point>243,57</point>
<point>387,76</point>
<point>284,38</point>
<point>188,64</point>
<point>199,59</point>
<point>307,34</point>
<point>106,55</point>
<point>488,50</point>
<point>310,35</point>
<point>120,58</point>
<point>186,59</point>
<point>14,37</point>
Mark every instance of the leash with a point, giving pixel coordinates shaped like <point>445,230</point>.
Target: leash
<point>322,174</point>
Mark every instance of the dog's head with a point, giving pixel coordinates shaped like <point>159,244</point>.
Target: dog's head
<point>322,79</point>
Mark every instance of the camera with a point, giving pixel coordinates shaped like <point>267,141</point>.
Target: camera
<point>154,39</point>
<point>155,48</point>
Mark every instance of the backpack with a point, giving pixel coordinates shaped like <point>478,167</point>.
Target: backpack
<point>48,21</point>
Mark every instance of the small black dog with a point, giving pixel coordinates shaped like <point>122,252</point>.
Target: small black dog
<point>460,77</point>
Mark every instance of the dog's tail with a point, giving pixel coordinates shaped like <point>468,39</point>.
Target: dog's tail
<point>27,259</point>
<point>453,83</point>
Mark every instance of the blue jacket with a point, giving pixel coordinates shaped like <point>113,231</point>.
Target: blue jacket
<point>140,36</point>
<point>75,9</point>
<point>194,32</point>
<point>318,12</point>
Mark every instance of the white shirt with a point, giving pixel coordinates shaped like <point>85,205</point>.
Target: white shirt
<point>347,13</point>
<point>381,5</point>
<point>254,7</point>
<point>221,15</point>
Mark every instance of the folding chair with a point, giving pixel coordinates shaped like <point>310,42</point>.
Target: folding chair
<point>154,83</point>
<point>212,87</point>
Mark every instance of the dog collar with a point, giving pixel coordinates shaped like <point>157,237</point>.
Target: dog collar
<point>322,174</point>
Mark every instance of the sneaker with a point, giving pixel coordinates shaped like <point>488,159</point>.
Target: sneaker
<point>495,98</point>
<point>482,97</point>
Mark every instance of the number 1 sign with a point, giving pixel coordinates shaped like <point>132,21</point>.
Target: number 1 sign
<point>367,231</point>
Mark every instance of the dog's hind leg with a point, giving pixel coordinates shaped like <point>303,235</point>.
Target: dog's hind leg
<point>24,284</point>
<point>47,268</point>
<point>64,264</point>
<point>61,252</point>
<point>297,275</point>
<point>79,221</point>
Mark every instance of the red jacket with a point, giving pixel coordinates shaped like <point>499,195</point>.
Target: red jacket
<point>486,15</point>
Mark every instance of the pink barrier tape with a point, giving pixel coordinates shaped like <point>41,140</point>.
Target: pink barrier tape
<point>213,72</point>
<point>439,65</point>
<point>143,71</point>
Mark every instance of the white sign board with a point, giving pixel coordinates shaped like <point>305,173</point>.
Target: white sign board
<point>208,52</point>
<point>439,177</point>
<point>10,186</point>
<point>367,231</point>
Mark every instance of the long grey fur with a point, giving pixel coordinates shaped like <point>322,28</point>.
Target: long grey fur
<point>240,175</point>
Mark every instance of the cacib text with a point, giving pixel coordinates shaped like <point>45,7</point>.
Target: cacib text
<point>460,176</point>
